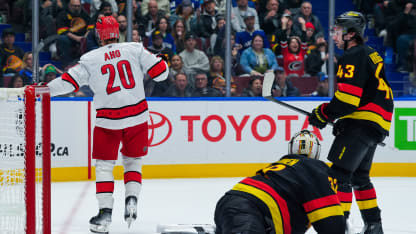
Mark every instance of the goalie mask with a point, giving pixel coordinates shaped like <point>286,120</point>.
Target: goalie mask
<point>306,143</point>
<point>107,28</point>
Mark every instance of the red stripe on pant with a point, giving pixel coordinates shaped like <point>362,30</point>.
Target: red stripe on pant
<point>132,176</point>
<point>365,194</point>
<point>104,186</point>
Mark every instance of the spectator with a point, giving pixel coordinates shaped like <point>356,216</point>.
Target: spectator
<point>47,15</point>
<point>105,9</point>
<point>185,12</point>
<point>220,84</point>
<point>135,36</point>
<point>323,87</point>
<point>149,20</point>
<point>72,25</point>
<point>97,6</point>
<point>282,87</point>
<point>317,60</point>
<point>219,49</point>
<point>16,82</point>
<point>50,72</point>
<point>177,67</point>
<point>270,17</point>
<point>237,20</point>
<point>163,5</point>
<point>245,37</point>
<point>159,47</point>
<point>201,87</point>
<point>194,60</point>
<point>286,31</point>
<point>310,33</point>
<point>163,26</point>
<point>122,24</point>
<point>216,69</point>
<point>10,55</point>
<point>256,60</point>
<point>407,22</point>
<point>180,87</point>
<point>92,37</point>
<point>178,35</point>
<point>27,69</point>
<point>220,21</point>
<point>205,25</point>
<point>254,88</point>
<point>306,14</point>
<point>174,4</point>
<point>137,12</point>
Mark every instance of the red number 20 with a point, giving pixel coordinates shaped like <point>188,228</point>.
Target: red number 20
<point>123,67</point>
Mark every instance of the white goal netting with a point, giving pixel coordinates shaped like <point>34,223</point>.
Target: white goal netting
<point>16,179</point>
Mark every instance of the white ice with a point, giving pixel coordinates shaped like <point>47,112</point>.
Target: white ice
<point>178,201</point>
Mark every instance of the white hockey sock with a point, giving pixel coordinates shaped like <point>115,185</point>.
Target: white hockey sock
<point>132,175</point>
<point>104,183</point>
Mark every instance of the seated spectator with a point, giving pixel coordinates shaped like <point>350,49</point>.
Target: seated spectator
<point>162,25</point>
<point>317,60</point>
<point>72,25</point>
<point>16,82</point>
<point>186,13</point>
<point>149,20</point>
<point>256,60</point>
<point>306,13</point>
<point>122,25</point>
<point>219,49</point>
<point>254,88</point>
<point>323,87</point>
<point>93,42</point>
<point>194,60</point>
<point>27,69</point>
<point>47,15</point>
<point>238,13</point>
<point>163,5</point>
<point>407,22</point>
<point>216,69</point>
<point>159,47</point>
<point>220,19</point>
<point>10,55</point>
<point>180,87</point>
<point>270,17</point>
<point>105,9</point>
<point>176,66</point>
<point>50,72</point>
<point>205,24</point>
<point>201,87</point>
<point>97,5</point>
<point>282,87</point>
<point>178,35</point>
<point>135,36</point>
<point>245,37</point>
<point>220,84</point>
<point>174,4</point>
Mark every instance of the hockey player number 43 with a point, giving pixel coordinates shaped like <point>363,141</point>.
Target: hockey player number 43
<point>382,84</point>
<point>123,68</point>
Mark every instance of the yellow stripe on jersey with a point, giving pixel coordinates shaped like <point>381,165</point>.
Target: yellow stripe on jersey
<point>367,115</point>
<point>268,200</point>
<point>346,206</point>
<point>350,99</point>
<point>367,204</point>
<point>325,213</point>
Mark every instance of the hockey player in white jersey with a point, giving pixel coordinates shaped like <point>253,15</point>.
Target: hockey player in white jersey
<point>115,73</point>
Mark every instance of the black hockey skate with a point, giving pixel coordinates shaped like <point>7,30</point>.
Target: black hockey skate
<point>130,211</point>
<point>101,222</point>
<point>372,228</point>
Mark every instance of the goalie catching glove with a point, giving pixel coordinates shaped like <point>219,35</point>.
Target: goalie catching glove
<point>318,118</point>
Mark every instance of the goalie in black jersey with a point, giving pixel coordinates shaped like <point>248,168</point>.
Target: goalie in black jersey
<point>363,104</point>
<point>285,197</point>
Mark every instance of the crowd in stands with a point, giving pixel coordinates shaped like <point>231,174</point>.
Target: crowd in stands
<point>281,36</point>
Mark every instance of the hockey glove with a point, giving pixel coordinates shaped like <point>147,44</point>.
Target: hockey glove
<point>339,128</point>
<point>318,118</point>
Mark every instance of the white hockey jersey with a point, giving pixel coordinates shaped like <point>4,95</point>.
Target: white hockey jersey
<point>115,74</point>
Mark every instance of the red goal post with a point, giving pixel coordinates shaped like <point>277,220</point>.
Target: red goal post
<point>25,168</point>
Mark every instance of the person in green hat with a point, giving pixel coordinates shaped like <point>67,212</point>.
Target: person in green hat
<point>50,72</point>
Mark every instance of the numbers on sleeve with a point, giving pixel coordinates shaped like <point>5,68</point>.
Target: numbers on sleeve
<point>334,184</point>
<point>382,85</point>
<point>349,73</point>
<point>277,167</point>
<point>123,68</point>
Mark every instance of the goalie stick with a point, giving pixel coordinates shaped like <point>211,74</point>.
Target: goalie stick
<point>267,93</point>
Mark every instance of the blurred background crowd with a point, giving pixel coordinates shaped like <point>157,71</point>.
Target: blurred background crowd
<point>287,37</point>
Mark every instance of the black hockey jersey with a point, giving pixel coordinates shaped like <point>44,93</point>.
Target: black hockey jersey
<point>294,192</point>
<point>363,92</point>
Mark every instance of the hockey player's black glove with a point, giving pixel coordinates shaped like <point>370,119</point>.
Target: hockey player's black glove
<point>339,128</point>
<point>318,118</point>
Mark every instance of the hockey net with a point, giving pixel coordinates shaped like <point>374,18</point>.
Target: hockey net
<point>25,160</point>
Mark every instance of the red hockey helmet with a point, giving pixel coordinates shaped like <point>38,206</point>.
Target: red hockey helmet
<point>107,28</point>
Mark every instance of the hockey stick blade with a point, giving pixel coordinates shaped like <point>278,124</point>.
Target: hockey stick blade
<point>267,92</point>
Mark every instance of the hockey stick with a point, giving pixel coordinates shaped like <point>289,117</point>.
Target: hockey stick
<point>267,93</point>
